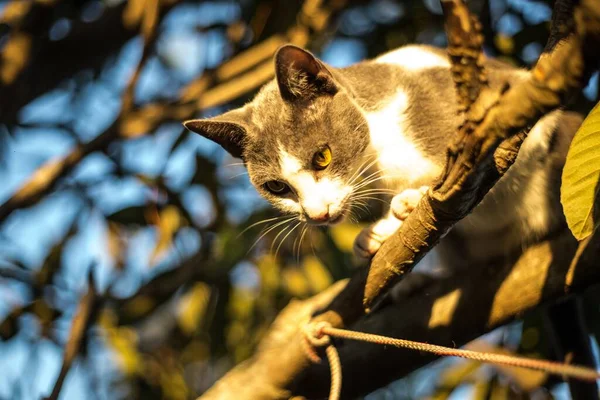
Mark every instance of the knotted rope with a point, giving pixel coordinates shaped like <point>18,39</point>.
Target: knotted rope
<point>319,335</point>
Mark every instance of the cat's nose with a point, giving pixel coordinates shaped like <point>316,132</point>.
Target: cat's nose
<point>321,217</point>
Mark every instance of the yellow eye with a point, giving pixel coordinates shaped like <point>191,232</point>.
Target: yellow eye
<point>322,158</point>
<point>277,187</point>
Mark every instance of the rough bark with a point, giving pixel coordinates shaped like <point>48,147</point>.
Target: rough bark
<point>484,148</point>
<point>448,311</point>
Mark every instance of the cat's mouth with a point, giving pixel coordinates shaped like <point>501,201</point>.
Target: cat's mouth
<point>330,219</point>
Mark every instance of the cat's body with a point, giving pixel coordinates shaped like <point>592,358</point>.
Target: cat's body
<point>310,133</point>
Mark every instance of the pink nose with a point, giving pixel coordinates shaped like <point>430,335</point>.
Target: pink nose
<point>322,217</point>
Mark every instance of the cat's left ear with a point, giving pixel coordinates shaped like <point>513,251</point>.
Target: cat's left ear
<point>229,130</point>
<point>301,76</point>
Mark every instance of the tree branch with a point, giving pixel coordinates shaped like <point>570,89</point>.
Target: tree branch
<point>210,90</point>
<point>469,175</point>
<point>485,147</point>
<point>453,311</point>
<point>80,323</point>
<point>465,43</point>
<point>448,311</point>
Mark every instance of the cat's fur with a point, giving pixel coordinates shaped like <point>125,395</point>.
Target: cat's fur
<point>398,110</point>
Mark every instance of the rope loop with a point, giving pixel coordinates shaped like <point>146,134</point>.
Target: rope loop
<point>319,335</point>
<point>314,333</point>
<point>315,336</point>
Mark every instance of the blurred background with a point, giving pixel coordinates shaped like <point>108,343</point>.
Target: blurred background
<point>148,239</point>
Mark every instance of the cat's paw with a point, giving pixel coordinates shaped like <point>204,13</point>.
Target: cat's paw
<point>370,239</point>
<point>403,203</point>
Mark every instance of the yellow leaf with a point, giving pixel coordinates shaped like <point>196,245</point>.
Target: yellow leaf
<point>296,282</point>
<point>317,274</point>
<point>14,56</point>
<point>133,13</point>
<point>123,342</point>
<point>504,43</point>
<point>14,11</point>
<point>196,350</point>
<point>168,223</point>
<point>269,273</point>
<point>580,178</point>
<point>173,385</point>
<point>344,234</point>
<point>138,306</point>
<point>191,308</point>
<point>241,303</point>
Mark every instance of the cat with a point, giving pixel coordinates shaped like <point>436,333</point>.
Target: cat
<point>317,140</point>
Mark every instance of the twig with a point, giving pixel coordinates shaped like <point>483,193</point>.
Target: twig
<point>149,29</point>
<point>465,43</point>
<point>81,321</point>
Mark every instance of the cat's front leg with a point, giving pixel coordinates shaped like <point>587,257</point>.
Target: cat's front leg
<point>370,239</point>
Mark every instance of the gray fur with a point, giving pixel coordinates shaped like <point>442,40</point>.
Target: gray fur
<point>309,105</point>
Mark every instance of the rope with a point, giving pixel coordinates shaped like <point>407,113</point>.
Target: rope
<point>318,335</point>
<point>314,337</point>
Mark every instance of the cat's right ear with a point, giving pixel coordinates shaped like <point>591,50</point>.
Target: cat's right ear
<point>228,130</point>
<point>301,77</point>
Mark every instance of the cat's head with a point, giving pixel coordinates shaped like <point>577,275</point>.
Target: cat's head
<point>302,138</point>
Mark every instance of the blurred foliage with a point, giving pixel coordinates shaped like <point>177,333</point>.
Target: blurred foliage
<point>191,265</point>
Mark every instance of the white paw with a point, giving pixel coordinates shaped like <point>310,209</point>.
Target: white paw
<point>403,203</point>
<point>370,239</point>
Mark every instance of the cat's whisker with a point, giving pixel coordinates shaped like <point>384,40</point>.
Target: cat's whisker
<point>360,170</point>
<point>304,230</point>
<point>284,229</point>
<point>376,191</point>
<point>286,236</point>
<point>237,175</point>
<point>298,243</point>
<point>351,216</point>
<point>363,184</point>
<point>372,198</point>
<point>269,229</point>
<point>264,221</point>
<point>360,204</point>
<point>369,179</point>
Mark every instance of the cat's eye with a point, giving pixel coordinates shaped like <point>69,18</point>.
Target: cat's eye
<point>322,158</point>
<point>277,187</point>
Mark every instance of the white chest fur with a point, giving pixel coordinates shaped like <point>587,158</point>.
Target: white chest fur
<point>399,160</point>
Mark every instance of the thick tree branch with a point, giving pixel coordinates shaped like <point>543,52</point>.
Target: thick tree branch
<point>485,146</point>
<point>449,311</point>
<point>453,311</point>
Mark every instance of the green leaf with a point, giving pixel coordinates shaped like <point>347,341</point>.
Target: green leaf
<point>581,176</point>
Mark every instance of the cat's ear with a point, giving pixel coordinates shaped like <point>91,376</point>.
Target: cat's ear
<point>301,76</point>
<point>228,130</point>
